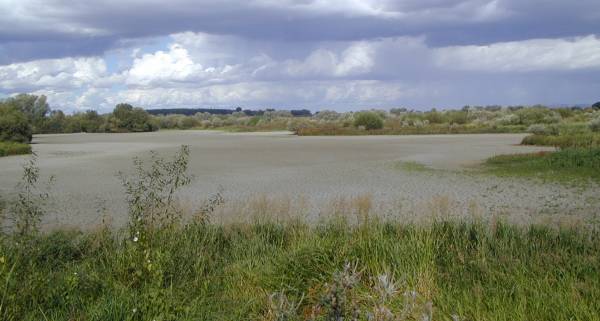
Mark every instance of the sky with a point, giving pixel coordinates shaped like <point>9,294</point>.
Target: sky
<point>289,54</point>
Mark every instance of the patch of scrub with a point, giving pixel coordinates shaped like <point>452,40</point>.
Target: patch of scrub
<point>412,166</point>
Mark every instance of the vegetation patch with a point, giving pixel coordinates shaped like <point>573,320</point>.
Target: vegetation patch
<point>567,165</point>
<point>466,271</point>
<point>412,166</point>
<point>12,148</point>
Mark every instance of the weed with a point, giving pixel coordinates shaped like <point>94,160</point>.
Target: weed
<point>27,210</point>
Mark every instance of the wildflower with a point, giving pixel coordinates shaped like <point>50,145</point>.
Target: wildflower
<point>135,238</point>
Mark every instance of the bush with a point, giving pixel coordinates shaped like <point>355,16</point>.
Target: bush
<point>594,125</point>
<point>369,120</point>
<point>539,129</point>
<point>14,125</point>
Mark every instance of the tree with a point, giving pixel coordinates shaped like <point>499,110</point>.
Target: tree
<point>127,118</point>
<point>596,106</point>
<point>14,125</point>
<point>55,123</point>
<point>34,107</point>
<point>369,120</point>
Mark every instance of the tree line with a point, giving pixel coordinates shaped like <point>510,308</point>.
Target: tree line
<point>23,115</point>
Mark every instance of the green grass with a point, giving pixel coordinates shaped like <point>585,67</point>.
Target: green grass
<point>11,148</point>
<point>567,165</point>
<point>207,272</point>
<point>579,140</point>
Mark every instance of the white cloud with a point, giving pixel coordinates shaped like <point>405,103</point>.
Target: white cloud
<point>65,73</point>
<point>355,59</point>
<point>163,68</point>
<point>523,56</point>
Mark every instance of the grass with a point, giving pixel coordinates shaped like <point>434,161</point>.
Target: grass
<point>11,148</point>
<point>580,140</point>
<point>473,270</point>
<point>576,165</point>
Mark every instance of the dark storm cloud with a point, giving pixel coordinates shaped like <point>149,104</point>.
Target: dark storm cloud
<point>53,28</point>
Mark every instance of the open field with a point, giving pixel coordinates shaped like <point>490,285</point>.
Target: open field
<point>285,175</point>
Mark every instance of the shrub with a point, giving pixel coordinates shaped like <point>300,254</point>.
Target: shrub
<point>151,192</point>
<point>14,125</point>
<point>539,129</point>
<point>27,210</point>
<point>369,120</point>
<point>594,125</point>
<point>537,115</point>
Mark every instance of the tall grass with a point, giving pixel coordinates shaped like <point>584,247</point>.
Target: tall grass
<point>207,272</point>
<point>582,140</point>
<point>12,148</point>
<point>571,164</point>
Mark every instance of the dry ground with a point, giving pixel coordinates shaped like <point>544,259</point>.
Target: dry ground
<point>278,174</point>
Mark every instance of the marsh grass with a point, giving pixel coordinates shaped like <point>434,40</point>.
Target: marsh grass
<point>577,140</point>
<point>568,165</point>
<point>478,271</point>
<point>12,148</point>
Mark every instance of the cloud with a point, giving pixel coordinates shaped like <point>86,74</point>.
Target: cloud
<point>523,56</point>
<point>58,28</point>
<point>65,73</point>
<point>300,53</point>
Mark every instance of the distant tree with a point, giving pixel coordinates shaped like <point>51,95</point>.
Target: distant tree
<point>369,120</point>
<point>35,108</point>
<point>55,122</point>
<point>14,125</point>
<point>596,106</point>
<point>127,118</point>
<point>398,111</point>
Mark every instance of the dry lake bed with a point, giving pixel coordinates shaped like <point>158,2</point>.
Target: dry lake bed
<point>279,175</point>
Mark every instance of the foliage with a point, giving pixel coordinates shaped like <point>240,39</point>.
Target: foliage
<point>540,129</point>
<point>127,118</point>
<point>151,192</point>
<point>35,108</point>
<point>10,148</point>
<point>14,126</point>
<point>25,213</point>
<point>577,165</point>
<point>470,271</point>
<point>590,140</point>
<point>595,125</point>
<point>368,120</point>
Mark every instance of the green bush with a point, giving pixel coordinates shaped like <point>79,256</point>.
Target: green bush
<point>14,125</point>
<point>540,129</point>
<point>369,120</point>
<point>594,125</point>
